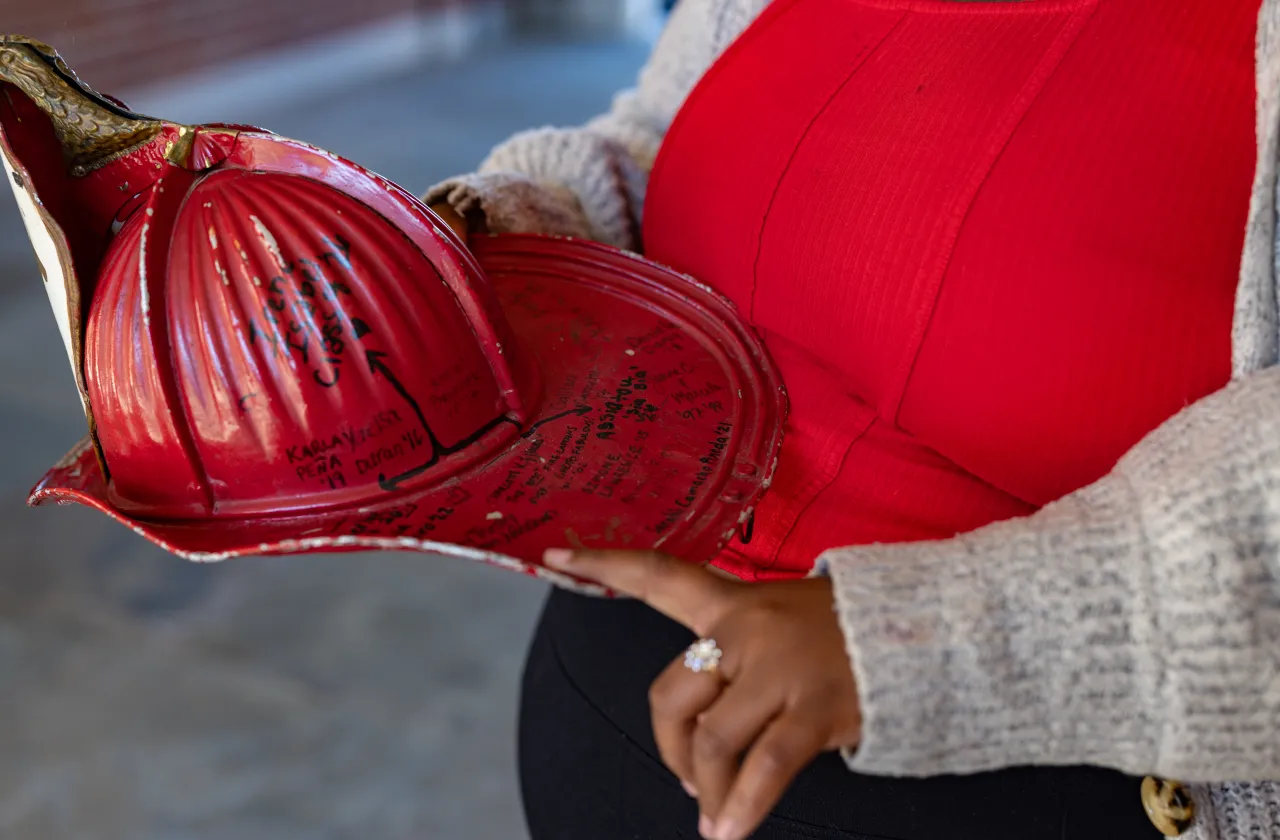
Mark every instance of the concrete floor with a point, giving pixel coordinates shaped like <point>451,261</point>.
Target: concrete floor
<point>368,697</point>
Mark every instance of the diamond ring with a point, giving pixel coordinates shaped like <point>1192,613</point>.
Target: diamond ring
<point>703,656</point>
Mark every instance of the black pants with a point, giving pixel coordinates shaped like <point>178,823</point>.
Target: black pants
<point>589,769</point>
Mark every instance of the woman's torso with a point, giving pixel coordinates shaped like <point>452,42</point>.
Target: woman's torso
<point>989,246</point>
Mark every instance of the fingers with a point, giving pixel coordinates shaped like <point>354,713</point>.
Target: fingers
<point>676,699</point>
<point>452,218</point>
<point>721,736</point>
<point>682,591</point>
<point>787,746</point>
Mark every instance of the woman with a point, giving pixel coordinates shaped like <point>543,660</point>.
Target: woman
<point>996,252</point>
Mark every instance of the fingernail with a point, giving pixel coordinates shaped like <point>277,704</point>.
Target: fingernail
<point>726,829</point>
<point>557,558</point>
<point>706,827</point>
<point>690,789</point>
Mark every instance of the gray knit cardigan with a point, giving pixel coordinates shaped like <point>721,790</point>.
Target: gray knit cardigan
<point>1134,624</point>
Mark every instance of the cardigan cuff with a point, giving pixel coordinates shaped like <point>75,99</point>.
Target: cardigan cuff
<point>990,651</point>
<point>508,202</point>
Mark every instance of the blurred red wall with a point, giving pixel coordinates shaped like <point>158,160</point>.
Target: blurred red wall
<point>115,45</point>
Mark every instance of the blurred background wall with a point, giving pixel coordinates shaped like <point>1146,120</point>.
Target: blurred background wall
<point>352,697</point>
<point>130,44</point>
<point>127,43</point>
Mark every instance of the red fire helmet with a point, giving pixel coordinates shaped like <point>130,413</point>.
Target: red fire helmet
<point>281,352</point>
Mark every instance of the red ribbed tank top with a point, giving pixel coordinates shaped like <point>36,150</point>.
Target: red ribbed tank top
<point>989,245</point>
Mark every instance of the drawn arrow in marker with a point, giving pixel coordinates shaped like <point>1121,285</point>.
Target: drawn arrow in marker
<point>580,411</point>
<point>379,368</point>
<point>438,450</point>
<point>393,483</point>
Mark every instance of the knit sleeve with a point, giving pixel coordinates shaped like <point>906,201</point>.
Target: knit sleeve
<point>590,181</point>
<point>1134,624</point>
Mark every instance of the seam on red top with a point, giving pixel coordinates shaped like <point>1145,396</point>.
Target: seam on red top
<point>858,63</point>
<point>776,9</point>
<point>1002,136</point>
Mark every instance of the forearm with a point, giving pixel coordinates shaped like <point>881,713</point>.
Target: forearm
<point>566,182</point>
<point>1134,624</point>
<point>590,181</point>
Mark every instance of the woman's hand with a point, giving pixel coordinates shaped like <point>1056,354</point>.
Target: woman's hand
<point>783,691</point>
<point>452,218</point>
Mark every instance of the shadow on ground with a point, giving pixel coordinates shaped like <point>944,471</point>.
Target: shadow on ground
<point>360,696</point>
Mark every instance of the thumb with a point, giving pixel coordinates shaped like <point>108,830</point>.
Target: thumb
<point>682,591</point>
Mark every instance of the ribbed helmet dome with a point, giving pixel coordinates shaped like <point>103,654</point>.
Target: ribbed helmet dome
<point>264,341</point>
